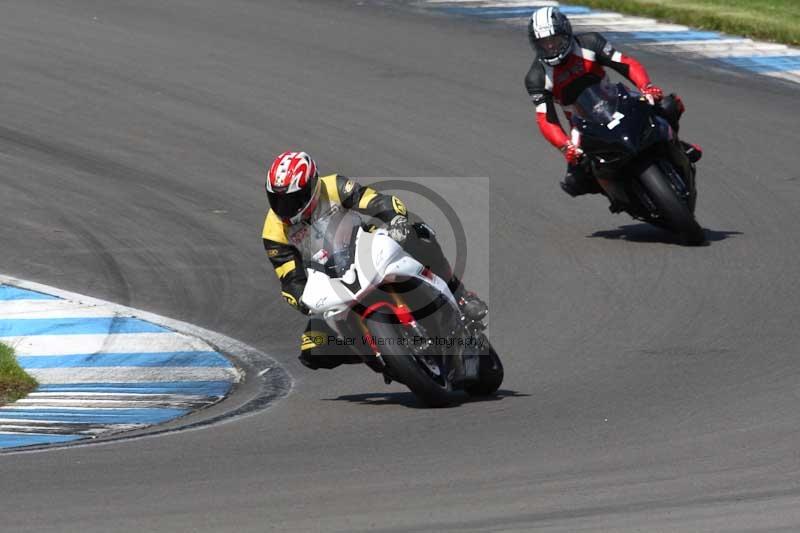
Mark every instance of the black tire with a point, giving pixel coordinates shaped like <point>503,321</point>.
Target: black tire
<point>490,375</point>
<point>676,214</point>
<point>403,367</point>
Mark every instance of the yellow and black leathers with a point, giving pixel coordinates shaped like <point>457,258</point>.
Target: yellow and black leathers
<point>280,238</point>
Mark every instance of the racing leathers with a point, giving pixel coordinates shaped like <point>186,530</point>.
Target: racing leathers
<point>281,242</point>
<point>562,84</point>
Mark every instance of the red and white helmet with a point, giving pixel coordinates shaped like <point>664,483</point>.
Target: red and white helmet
<point>293,186</point>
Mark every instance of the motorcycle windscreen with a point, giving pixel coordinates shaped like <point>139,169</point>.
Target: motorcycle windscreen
<point>597,103</point>
<point>329,241</point>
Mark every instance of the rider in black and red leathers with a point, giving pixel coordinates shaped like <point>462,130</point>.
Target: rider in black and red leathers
<point>566,64</point>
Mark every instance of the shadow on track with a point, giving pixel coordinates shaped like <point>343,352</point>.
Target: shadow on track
<point>407,399</point>
<point>652,234</point>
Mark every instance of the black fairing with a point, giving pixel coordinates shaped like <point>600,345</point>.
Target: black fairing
<point>619,149</point>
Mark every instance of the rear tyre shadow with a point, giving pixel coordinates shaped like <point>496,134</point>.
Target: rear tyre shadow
<point>407,399</point>
<point>652,234</point>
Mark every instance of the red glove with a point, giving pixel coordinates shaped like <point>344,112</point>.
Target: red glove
<point>572,153</point>
<point>653,92</point>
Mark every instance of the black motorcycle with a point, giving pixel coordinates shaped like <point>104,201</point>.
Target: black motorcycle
<point>635,155</point>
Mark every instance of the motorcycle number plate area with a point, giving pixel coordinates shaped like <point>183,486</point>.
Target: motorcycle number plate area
<point>616,119</point>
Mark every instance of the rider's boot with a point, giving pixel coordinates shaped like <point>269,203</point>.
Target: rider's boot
<point>316,352</point>
<point>314,360</point>
<point>578,182</point>
<point>472,307</point>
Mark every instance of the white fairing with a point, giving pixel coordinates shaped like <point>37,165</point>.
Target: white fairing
<point>378,259</point>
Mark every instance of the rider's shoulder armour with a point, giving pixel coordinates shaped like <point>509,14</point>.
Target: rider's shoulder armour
<point>275,229</point>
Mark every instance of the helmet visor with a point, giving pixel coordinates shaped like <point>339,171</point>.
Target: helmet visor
<point>287,206</point>
<point>552,46</point>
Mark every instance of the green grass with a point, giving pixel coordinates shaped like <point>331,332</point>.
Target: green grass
<point>14,382</point>
<point>773,20</point>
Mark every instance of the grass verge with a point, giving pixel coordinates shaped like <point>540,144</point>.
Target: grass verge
<point>14,382</point>
<point>773,20</point>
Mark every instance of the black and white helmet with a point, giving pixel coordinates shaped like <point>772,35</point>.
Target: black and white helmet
<point>550,34</point>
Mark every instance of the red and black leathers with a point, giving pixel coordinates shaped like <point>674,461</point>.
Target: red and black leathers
<point>561,84</point>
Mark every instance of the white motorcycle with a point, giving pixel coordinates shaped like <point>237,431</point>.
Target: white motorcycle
<point>397,315</point>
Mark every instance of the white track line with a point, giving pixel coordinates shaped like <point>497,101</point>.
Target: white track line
<point>96,403</point>
<point>716,44</point>
<point>790,75</point>
<point>103,343</point>
<point>736,51</point>
<point>29,422</point>
<point>133,374</point>
<point>114,396</point>
<point>54,309</point>
<point>19,426</point>
<point>577,19</point>
<point>39,430</point>
<point>506,3</point>
<point>630,27</point>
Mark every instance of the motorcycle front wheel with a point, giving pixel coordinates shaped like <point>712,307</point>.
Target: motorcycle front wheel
<point>490,375</point>
<point>675,213</point>
<point>403,366</point>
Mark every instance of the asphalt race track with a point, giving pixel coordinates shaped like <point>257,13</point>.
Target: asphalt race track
<point>649,387</point>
